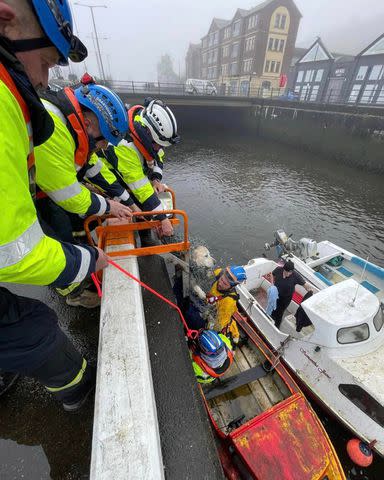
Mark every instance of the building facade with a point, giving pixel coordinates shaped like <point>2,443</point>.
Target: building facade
<point>193,61</point>
<point>325,77</point>
<point>252,51</point>
<point>366,84</point>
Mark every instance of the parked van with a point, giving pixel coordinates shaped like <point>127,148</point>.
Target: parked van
<point>195,86</point>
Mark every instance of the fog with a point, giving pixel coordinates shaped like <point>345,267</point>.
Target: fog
<point>134,35</point>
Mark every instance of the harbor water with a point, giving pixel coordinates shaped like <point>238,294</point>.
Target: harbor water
<point>236,195</point>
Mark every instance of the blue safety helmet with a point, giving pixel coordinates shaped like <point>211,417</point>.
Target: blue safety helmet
<point>55,19</point>
<point>235,275</point>
<point>210,342</point>
<point>108,108</point>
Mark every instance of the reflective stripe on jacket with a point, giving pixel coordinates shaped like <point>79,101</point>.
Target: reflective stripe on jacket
<point>56,171</point>
<point>26,255</point>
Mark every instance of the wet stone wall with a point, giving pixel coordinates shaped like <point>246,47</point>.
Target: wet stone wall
<point>350,136</point>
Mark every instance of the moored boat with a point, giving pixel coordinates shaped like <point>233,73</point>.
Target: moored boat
<point>339,356</point>
<point>267,428</point>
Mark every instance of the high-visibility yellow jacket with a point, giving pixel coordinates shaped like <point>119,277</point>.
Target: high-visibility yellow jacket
<point>26,254</point>
<point>201,375</point>
<point>126,162</point>
<point>225,308</point>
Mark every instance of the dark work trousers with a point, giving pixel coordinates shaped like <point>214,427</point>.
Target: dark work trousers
<point>32,344</point>
<point>281,306</point>
<point>56,222</point>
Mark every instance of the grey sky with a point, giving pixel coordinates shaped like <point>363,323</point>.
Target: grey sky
<point>139,32</point>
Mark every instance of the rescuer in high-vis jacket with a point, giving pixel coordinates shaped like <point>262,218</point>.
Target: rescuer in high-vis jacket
<point>152,127</point>
<point>34,36</point>
<point>85,119</point>
<point>211,355</point>
<point>136,163</point>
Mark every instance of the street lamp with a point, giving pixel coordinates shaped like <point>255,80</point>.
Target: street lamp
<point>91,7</point>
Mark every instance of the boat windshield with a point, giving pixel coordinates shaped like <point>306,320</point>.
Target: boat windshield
<point>364,402</point>
<point>379,320</point>
<point>354,334</point>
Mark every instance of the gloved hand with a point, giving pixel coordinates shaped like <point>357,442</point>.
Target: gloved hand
<point>158,186</point>
<point>120,211</point>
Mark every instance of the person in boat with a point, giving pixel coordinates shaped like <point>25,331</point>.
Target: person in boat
<point>285,280</point>
<point>211,355</point>
<point>224,298</point>
<point>35,35</point>
<point>138,163</point>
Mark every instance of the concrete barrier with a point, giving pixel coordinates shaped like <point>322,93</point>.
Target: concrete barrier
<point>126,441</point>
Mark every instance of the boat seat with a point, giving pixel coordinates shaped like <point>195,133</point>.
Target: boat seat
<point>344,271</point>
<point>236,381</point>
<point>370,287</point>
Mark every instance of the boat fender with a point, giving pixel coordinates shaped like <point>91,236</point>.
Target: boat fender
<point>360,452</point>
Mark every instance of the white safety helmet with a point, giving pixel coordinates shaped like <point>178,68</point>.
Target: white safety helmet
<point>161,123</point>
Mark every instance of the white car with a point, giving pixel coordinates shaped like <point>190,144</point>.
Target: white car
<point>195,86</point>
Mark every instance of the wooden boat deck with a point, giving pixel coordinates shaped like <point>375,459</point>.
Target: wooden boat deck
<point>251,399</point>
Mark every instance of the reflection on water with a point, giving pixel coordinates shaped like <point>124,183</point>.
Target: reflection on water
<point>22,461</point>
<point>238,195</point>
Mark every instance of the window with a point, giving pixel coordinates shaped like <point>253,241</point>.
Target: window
<point>278,65</point>
<point>204,72</point>
<point>281,45</point>
<point>380,101</point>
<point>270,44</point>
<point>376,72</point>
<point>233,88</point>
<point>216,38</point>
<point>235,50</point>
<point>364,402</point>
<point>236,28</point>
<point>252,21</point>
<point>314,93</point>
<point>369,93</point>
<point>214,72</point>
<point>226,51</point>
<point>300,76</point>
<point>267,65</point>
<point>227,33</point>
<point>303,95</point>
<point>215,54</point>
<point>224,69</point>
<point>276,44</point>
<point>309,74</point>
<point>319,75</point>
<point>378,319</point>
<point>205,42</point>
<point>250,44</point>
<point>280,21</point>
<point>273,66</point>
<point>204,58</point>
<point>244,88</point>
<point>234,68</point>
<point>247,65</point>
<point>354,93</point>
<point>355,334</point>
<point>361,73</point>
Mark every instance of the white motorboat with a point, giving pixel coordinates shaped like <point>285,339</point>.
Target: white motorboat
<point>340,357</point>
<point>325,263</point>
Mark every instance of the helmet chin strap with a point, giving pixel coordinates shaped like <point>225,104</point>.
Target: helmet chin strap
<point>30,44</point>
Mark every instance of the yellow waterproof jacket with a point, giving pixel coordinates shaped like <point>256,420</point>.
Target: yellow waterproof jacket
<point>225,308</point>
<point>56,172</point>
<point>127,162</point>
<point>27,255</point>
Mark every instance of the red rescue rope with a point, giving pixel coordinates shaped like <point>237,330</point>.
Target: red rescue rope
<point>190,333</point>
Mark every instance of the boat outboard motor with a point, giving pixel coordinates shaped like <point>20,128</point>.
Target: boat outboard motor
<point>307,248</point>
<point>282,242</point>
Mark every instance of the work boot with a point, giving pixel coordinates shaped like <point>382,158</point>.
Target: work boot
<point>7,379</point>
<point>86,299</point>
<point>76,396</point>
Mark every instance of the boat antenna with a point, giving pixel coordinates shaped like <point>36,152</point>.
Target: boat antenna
<point>361,279</point>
